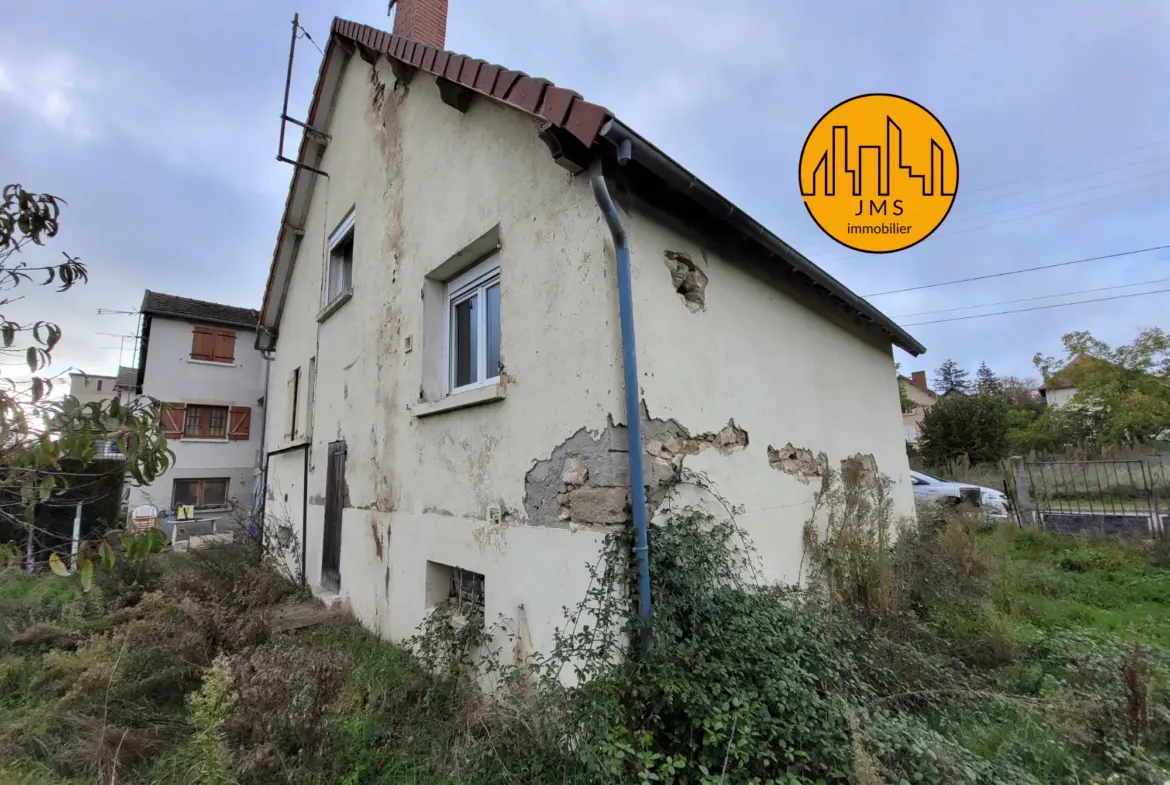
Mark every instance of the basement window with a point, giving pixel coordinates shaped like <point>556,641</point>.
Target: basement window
<point>457,591</point>
<point>473,326</point>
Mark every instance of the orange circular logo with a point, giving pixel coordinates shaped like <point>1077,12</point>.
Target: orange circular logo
<point>878,173</point>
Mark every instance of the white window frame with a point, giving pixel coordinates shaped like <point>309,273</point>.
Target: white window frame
<point>344,230</point>
<point>475,281</point>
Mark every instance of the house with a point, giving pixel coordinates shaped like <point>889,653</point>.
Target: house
<point>1060,387</point>
<point>453,328</point>
<point>199,358</point>
<point>919,394</point>
<point>87,389</point>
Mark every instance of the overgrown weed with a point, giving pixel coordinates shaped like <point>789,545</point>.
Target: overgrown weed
<point>914,653</point>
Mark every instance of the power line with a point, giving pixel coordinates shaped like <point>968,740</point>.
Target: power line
<point>1038,308</point>
<point>1063,166</point>
<point>1029,299</point>
<point>961,213</point>
<point>962,230</point>
<point>965,216</point>
<point>1023,270</point>
<point>963,206</point>
<point>305,34</point>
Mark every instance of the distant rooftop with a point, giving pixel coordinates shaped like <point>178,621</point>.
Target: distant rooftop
<point>127,378</point>
<point>175,307</point>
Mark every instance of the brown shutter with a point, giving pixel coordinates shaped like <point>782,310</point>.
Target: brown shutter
<point>225,346</point>
<point>202,343</point>
<point>239,423</point>
<point>174,417</point>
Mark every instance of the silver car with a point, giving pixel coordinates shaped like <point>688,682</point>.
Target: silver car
<point>929,488</point>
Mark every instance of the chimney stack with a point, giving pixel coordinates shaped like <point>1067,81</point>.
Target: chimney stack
<point>918,378</point>
<point>424,21</point>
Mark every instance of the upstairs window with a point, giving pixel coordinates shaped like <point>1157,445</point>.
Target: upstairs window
<point>473,335</point>
<point>339,263</point>
<point>213,344</point>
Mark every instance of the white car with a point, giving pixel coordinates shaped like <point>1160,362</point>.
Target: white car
<point>928,488</point>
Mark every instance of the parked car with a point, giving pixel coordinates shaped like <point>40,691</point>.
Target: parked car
<point>928,489</point>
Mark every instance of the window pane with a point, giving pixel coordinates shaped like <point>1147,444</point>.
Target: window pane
<point>194,426</point>
<point>493,331</point>
<point>186,492</point>
<point>217,422</point>
<point>340,268</point>
<point>214,493</point>
<point>464,320</point>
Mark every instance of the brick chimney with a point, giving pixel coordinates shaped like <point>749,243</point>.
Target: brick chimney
<point>424,21</point>
<point>918,379</point>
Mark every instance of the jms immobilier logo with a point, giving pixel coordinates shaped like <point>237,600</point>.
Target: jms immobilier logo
<point>878,173</point>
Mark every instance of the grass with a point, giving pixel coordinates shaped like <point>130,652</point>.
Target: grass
<point>316,699</point>
<point>1093,586</point>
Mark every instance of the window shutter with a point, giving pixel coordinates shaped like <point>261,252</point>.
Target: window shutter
<point>202,343</point>
<point>174,417</point>
<point>310,397</point>
<point>239,423</point>
<point>225,346</point>
<point>290,421</point>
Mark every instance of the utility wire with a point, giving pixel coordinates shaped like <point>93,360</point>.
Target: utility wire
<point>1029,299</point>
<point>963,206</point>
<point>1017,272</point>
<point>961,212</point>
<point>305,34</point>
<point>1038,308</point>
<point>961,230</point>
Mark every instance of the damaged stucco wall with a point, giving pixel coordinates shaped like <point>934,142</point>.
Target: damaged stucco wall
<point>425,182</point>
<point>811,389</point>
<point>731,369</point>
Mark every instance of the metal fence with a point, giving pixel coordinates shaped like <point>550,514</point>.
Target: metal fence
<point>1105,497</point>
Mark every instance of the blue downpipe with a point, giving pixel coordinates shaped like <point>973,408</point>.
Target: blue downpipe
<point>621,246</point>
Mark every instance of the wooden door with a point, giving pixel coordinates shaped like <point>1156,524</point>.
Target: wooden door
<point>334,504</point>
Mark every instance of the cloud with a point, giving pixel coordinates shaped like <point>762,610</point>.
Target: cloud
<point>50,88</point>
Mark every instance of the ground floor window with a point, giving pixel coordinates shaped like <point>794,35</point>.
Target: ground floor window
<point>212,492</point>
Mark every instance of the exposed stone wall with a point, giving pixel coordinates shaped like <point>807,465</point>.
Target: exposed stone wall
<point>585,482</point>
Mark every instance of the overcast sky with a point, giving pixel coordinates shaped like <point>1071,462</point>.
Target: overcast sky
<point>157,121</point>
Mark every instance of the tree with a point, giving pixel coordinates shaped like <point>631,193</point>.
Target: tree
<point>971,425</point>
<point>40,434</point>
<point>950,376</point>
<point>986,382</point>
<point>1021,391</point>
<point>1122,393</point>
<point>907,404</point>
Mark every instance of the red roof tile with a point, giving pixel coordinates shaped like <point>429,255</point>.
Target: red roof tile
<point>539,98</point>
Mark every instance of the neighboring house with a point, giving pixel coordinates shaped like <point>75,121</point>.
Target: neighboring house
<point>88,388</point>
<point>1060,387</point>
<point>448,402</point>
<point>921,396</point>
<point>200,359</point>
<point>92,389</point>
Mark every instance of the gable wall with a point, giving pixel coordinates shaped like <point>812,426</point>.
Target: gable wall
<point>427,181</point>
